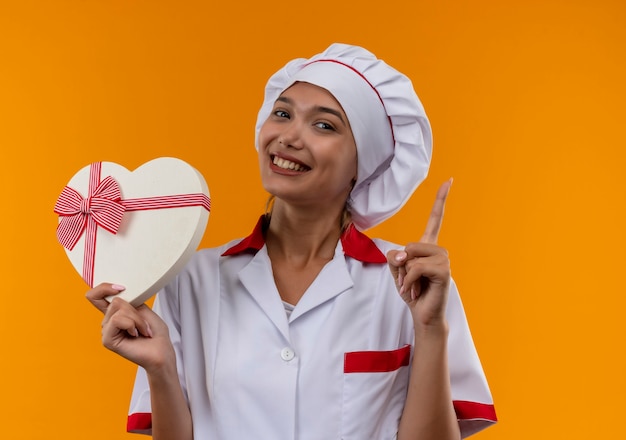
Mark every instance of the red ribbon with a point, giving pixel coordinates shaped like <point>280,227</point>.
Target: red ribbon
<point>104,207</point>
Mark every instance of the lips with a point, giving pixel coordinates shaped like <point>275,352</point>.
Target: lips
<point>289,165</point>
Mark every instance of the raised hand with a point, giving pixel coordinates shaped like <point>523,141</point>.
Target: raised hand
<point>422,269</point>
<point>138,334</point>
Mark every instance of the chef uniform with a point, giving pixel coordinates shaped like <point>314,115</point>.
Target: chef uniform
<point>336,364</point>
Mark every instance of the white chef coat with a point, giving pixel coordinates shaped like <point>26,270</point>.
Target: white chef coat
<point>336,368</point>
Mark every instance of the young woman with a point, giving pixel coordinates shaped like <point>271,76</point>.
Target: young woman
<point>307,328</point>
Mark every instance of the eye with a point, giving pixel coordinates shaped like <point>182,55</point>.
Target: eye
<point>281,114</point>
<point>324,126</point>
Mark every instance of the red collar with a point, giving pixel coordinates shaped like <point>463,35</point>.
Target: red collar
<point>355,244</point>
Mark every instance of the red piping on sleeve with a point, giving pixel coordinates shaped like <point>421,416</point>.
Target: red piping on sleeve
<point>140,423</point>
<point>473,410</point>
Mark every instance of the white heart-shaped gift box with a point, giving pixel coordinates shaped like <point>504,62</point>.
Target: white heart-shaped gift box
<point>138,228</point>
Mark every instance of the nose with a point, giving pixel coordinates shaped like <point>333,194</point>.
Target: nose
<point>291,135</point>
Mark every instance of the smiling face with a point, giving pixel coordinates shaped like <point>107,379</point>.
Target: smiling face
<point>307,152</point>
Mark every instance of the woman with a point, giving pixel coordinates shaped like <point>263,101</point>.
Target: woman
<point>307,329</point>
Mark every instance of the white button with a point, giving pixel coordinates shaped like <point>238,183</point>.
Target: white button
<point>287,354</point>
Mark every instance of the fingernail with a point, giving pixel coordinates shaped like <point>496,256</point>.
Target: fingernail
<point>400,279</point>
<point>135,332</point>
<point>400,256</point>
<point>149,330</point>
<point>413,296</point>
<point>401,290</point>
<point>118,287</point>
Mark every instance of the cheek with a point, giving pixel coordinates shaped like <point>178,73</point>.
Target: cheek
<point>348,170</point>
<point>353,164</point>
<point>260,142</point>
<point>355,167</point>
<point>267,132</point>
<point>263,161</point>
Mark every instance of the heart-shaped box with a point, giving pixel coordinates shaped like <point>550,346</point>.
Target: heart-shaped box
<point>138,228</point>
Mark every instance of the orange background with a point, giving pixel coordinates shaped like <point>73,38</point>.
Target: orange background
<point>526,100</point>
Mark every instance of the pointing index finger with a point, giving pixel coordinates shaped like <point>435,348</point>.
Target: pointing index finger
<point>433,226</point>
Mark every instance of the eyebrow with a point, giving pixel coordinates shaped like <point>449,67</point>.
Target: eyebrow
<point>318,108</point>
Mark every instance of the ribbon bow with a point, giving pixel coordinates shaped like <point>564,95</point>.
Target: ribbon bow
<point>102,206</point>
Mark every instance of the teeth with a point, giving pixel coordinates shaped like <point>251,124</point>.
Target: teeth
<point>287,164</point>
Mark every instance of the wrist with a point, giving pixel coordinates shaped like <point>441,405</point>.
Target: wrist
<point>162,365</point>
<point>161,373</point>
<point>432,331</point>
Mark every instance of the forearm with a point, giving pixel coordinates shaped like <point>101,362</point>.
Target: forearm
<point>171,418</point>
<point>428,411</point>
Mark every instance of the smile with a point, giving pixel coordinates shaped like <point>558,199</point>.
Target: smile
<point>288,165</point>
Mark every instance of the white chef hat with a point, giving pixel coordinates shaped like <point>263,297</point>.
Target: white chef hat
<point>390,128</point>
